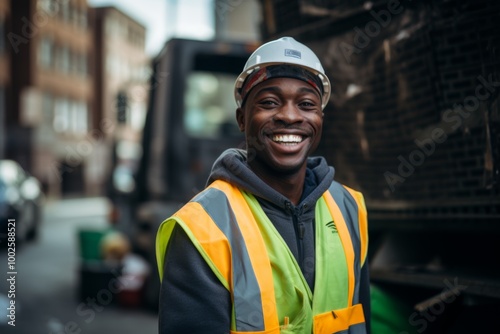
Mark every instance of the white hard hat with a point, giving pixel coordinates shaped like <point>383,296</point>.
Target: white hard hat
<point>284,51</point>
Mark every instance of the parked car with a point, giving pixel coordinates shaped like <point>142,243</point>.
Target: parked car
<point>21,200</point>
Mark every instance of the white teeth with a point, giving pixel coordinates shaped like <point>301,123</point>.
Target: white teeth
<point>287,139</point>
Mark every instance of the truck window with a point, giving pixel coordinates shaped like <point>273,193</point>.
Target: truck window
<point>210,107</point>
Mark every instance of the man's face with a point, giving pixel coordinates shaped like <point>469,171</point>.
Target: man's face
<point>282,120</point>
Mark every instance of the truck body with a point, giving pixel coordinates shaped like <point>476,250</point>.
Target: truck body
<point>413,123</point>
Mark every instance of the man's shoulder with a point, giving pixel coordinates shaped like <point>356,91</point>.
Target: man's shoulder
<point>337,188</point>
<point>336,185</point>
<point>215,194</point>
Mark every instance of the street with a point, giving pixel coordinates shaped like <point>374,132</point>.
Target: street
<point>46,282</point>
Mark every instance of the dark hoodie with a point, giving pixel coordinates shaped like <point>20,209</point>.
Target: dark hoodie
<point>192,300</point>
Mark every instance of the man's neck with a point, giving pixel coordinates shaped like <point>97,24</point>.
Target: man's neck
<point>289,185</point>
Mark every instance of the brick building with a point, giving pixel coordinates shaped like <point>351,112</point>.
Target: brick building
<point>65,64</point>
<point>51,97</point>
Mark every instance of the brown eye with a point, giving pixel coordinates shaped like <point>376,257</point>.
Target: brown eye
<point>308,105</point>
<point>268,103</point>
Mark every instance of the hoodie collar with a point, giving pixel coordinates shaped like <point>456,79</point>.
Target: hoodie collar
<point>232,167</point>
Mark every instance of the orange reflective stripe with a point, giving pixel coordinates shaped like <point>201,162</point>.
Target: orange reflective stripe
<point>211,238</point>
<point>363,222</point>
<point>338,320</point>
<point>257,253</point>
<point>345,237</point>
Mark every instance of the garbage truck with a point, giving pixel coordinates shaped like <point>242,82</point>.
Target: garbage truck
<point>413,123</point>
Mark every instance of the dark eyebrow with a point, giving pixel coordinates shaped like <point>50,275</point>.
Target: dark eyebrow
<point>309,90</point>
<point>277,89</point>
<point>272,89</point>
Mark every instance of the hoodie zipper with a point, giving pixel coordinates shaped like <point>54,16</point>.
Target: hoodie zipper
<point>299,234</point>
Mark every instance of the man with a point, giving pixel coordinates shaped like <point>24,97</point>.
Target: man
<point>273,245</point>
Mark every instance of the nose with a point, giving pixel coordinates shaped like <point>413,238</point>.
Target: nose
<point>289,113</point>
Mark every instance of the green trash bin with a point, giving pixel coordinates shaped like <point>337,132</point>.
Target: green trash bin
<point>390,312</point>
<point>90,240</point>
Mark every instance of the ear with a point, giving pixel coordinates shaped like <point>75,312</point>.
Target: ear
<point>240,118</point>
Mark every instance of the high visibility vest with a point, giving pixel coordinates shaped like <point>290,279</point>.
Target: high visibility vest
<point>268,290</point>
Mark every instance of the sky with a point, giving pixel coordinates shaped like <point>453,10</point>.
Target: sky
<point>165,18</point>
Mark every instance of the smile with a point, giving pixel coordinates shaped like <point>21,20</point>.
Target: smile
<point>287,139</point>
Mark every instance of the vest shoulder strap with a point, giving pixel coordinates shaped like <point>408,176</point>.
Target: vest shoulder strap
<point>353,208</point>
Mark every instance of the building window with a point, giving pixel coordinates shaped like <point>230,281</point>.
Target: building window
<point>75,63</point>
<point>117,26</point>
<point>110,63</point>
<point>111,26</point>
<point>81,118</point>
<point>46,51</point>
<point>61,115</point>
<point>135,36</point>
<point>122,28</point>
<point>70,116</point>
<point>125,69</point>
<point>82,64</point>
<point>65,59</point>
<point>82,19</point>
<point>57,57</point>
<point>47,107</point>
<point>73,15</point>
<point>72,62</point>
<point>49,6</point>
<point>131,35</point>
<point>137,114</point>
<point>65,11</point>
<point>115,66</point>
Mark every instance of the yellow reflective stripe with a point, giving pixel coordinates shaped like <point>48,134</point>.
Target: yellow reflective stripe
<point>363,222</point>
<point>162,237</point>
<point>257,252</point>
<point>338,320</point>
<point>214,243</point>
<point>345,237</point>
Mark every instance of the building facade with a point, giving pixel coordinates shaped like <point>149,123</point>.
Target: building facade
<point>62,65</point>
<point>51,111</point>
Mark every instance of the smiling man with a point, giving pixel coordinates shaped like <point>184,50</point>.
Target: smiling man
<point>273,244</point>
